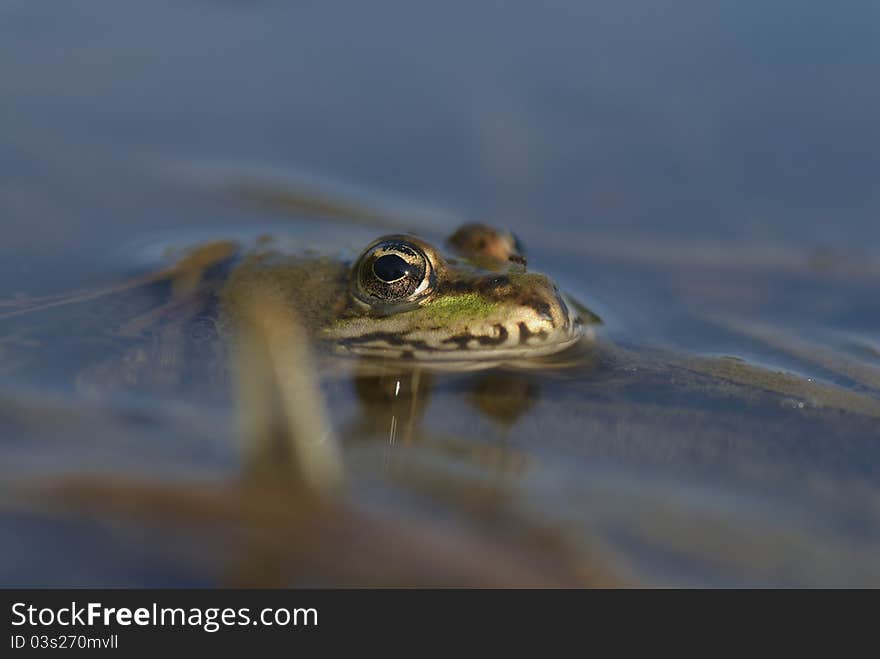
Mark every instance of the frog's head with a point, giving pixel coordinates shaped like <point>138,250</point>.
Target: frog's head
<point>406,300</point>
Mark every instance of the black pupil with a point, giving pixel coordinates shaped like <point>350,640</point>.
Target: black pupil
<point>390,267</point>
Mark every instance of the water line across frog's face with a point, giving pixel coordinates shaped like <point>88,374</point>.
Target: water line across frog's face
<point>407,301</point>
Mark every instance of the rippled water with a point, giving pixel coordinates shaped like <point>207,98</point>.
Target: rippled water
<point>704,178</point>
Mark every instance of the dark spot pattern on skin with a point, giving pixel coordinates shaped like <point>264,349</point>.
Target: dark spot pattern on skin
<point>388,337</point>
<point>462,340</point>
<point>541,307</point>
<point>525,333</point>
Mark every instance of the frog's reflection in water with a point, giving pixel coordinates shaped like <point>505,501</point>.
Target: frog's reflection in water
<point>393,403</point>
<point>504,396</point>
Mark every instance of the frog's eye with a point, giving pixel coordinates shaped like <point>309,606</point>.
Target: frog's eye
<point>393,272</point>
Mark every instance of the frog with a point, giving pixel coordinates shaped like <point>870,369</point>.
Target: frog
<point>474,304</point>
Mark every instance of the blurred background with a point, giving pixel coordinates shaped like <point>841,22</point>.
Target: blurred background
<point>733,120</point>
